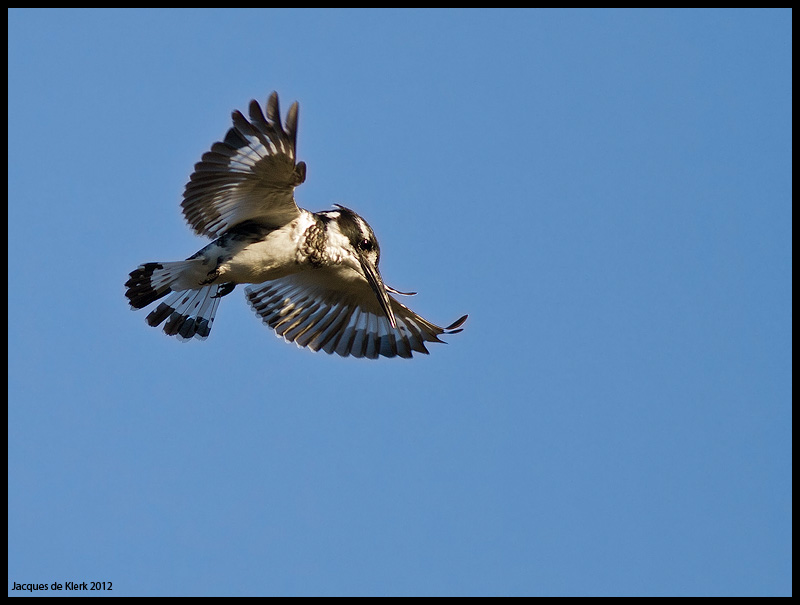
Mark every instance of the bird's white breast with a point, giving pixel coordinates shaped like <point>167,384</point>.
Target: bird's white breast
<point>272,257</point>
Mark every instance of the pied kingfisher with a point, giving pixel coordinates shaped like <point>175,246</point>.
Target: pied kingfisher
<point>315,274</point>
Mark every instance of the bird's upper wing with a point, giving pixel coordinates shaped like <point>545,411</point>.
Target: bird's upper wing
<point>320,310</point>
<point>251,175</point>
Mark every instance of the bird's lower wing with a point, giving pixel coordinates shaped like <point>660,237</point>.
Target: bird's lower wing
<point>320,310</point>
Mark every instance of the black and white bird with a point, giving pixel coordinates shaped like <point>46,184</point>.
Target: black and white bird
<point>314,275</point>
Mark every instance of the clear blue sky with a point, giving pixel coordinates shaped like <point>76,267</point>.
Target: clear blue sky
<point>608,194</point>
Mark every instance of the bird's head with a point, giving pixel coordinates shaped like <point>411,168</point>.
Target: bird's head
<point>363,254</point>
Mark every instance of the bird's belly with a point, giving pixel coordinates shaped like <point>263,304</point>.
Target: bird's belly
<point>262,261</point>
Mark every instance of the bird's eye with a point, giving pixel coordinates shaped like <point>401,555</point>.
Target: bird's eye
<point>365,245</point>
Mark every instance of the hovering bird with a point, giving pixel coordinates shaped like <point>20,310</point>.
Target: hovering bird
<point>314,275</point>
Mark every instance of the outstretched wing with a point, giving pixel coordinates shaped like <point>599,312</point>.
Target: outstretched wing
<point>320,310</point>
<point>251,175</point>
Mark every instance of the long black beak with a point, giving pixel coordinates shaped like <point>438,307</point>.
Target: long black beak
<point>376,283</point>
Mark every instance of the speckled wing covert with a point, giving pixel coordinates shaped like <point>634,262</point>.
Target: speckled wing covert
<point>324,312</point>
<point>251,175</point>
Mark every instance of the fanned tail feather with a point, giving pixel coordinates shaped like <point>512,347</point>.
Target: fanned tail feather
<point>186,313</point>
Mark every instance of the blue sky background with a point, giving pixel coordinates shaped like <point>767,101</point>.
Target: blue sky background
<point>606,193</point>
